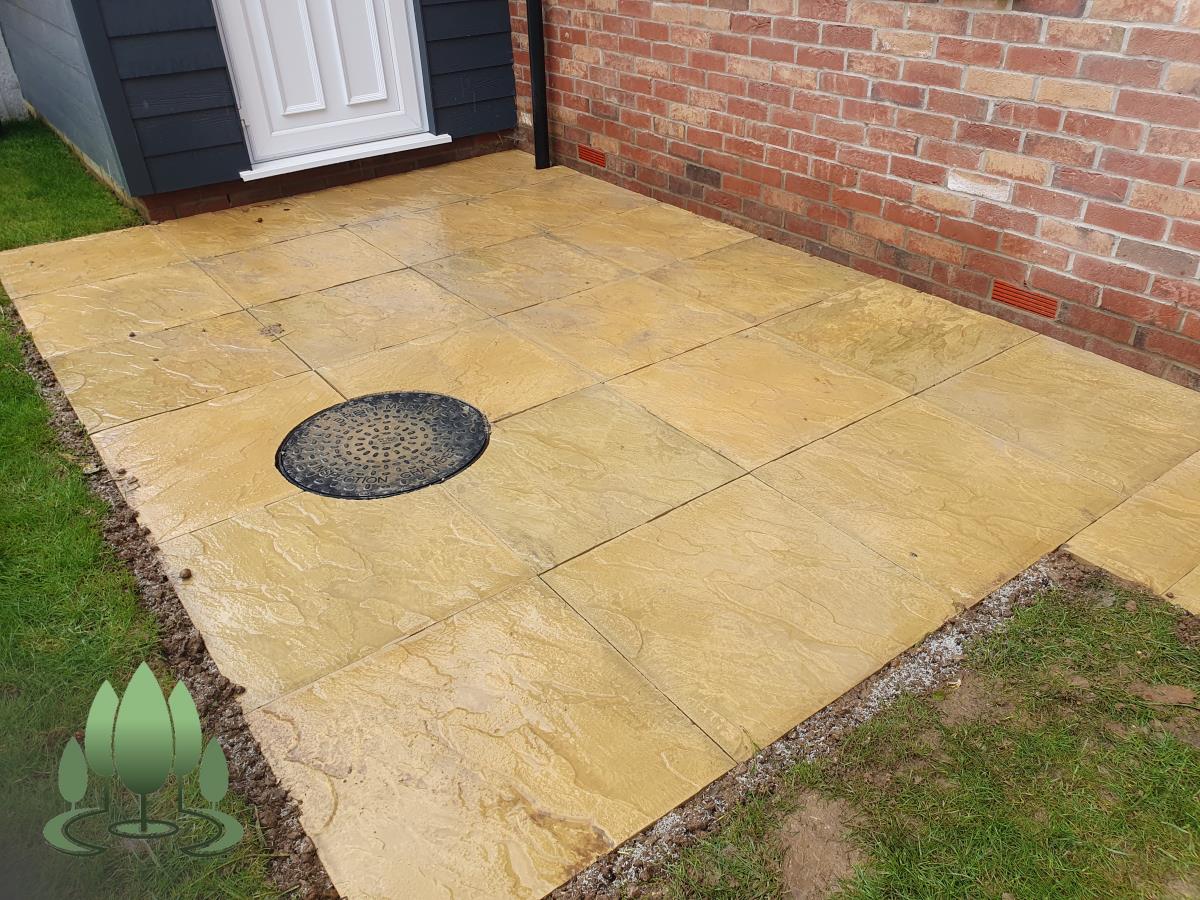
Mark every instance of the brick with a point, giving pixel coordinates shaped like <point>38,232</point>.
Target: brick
<point>1186,234</point>
<point>1007,27</point>
<point>1111,274</point>
<point>924,123</point>
<point>845,85</point>
<point>1076,94</point>
<point>954,155</point>
<point>875,65</point>
<point>821,58</point>
<point>1184,293</point>
<point>1016,167</point>
<point>902,94</point>
<point>1010,270</point>
<point>1181,45</point>
<point>884,187</point>
<point>1146,168</point>
<point>927,245</point>
<point>969,233</point>
<point>1000,84</point>
<point>905,43</point>
<point>798,30</point>
<point>892,141</point>
<point>888,232</point>
<point>978,185</point>
<point>829,10</point>
<point>1084,35</point>
<point>1164,260</point>
<point>1041,61</point>
<point>988,136</point>
<point>1075,153</point>
<point>857,201</point>
<point>937,19</point>
<point>1072,235</point>
<point>1051,203</point>
<point>880,13</point>
<point>854,243</point>
<point>1163,109</point>
<point>1170,345</point>
<point>942,201</point>
<point>1162,315</point>
<point>1096,322</point>
<point>1118,70</point>
<point>1169,201</point>
<point>1106,187</point>
<point>1191,326</point>
<point>916,170</point>
<point>1183,79</point>
<point>853,37</point>
<point>1171,141</point>
<point>1056,284</point>
<point>1191,178</point>
<point>865,160</point>
<point>1125,221</point>
<point>910,217</point>
<point>933,73</point>
<point>1027,115</point>
<point>961,105</point>
<point>1114,132</point>
<point>1134,10</point>
<point>1051,7</point>
<point>964,50</point>
<point>1034,250</point>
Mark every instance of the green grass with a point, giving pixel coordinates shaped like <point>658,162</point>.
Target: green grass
<point>69,617</point>
<point>1068,785</point>
<point>47,194</point>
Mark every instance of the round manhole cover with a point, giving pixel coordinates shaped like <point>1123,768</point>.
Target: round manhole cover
<point>383,444</point>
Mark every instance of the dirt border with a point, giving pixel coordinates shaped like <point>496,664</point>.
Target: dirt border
<point>626,870</point>
<point>294,865</point>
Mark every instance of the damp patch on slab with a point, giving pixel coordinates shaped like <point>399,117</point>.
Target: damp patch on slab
<point>380,445</point>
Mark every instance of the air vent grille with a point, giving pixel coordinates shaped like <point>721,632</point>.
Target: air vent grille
<point>1038,304</point>
<point>593,156</point>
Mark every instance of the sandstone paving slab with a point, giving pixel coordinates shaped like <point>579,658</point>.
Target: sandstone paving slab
<point>1153,538</point>
<point>754,396</point>
<point>135,377</point>
<point>562,202</point>
<point>97,257</point>
<point>243,227</point>
<point>651,237</point>
<point>353,319</point>
<point>1186,592</point>
<point>291,591</point>
<point>520,273</point>
<point>87,315</point>
<point>748,611</point>
<point>902,336</point>
<point>1091,415</point>
<point>561,478</point>
<point>958,507</point>
<point>191,467</point>
<point>485,363</point>
<point>758,280</point>
<point>623,325</point>
<point>429,234</point>
<point>301,265</point>
<point>491,755</point>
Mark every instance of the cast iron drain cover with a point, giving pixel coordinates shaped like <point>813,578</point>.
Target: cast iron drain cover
<point>383,444</point>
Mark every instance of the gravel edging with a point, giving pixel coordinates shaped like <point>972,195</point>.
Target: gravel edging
<point>294,865</point>
<point>626,870</point>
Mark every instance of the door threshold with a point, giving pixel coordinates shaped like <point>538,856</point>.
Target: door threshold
<point>342,154</point>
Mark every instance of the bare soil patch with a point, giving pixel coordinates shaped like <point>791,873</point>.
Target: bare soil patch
<point>817,854</point>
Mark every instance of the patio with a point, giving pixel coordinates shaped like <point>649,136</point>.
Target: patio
<point>726,482</point>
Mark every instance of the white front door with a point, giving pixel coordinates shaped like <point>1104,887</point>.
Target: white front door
<point>314,75</point>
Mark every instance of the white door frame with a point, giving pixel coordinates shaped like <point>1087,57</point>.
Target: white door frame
<point>265,168</point>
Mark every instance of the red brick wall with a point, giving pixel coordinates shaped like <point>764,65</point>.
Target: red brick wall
<point>1051,144</point>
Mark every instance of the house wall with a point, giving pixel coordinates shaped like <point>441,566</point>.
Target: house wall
<point>12,104</point>
<point>1049,144</point>
<point>48,55</point>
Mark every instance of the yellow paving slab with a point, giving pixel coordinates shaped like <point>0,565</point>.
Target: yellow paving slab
<point>562,202</point>
<point>290,592</point>
<point>421,236</point>
<point>757,280</point>
<point>189,468</point>
<point>91,314</point>
<point>1098,418</point>
<point>492,755</point>
<point>485,363</point>
<point>243,227</point>
<point>380,197</point>
<point>356,318</point>
<point>300,265</point>
<point>480,176</point>
<point>652,236</point>
<point>1186,592</point>
<point>1152,538</point>
<point>907,338</point>
<point>97,257</point>
<point>623,325</point>
<point>944,499</point>
<point>754,396</point>
<point>135,377</point>
<point>748,611</point>
<point>520,273</point>
<point>561,478</point>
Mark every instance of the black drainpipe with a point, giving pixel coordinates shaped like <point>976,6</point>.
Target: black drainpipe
<point>537,83</point>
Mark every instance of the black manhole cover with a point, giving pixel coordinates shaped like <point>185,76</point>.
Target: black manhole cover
<point>383,444</point>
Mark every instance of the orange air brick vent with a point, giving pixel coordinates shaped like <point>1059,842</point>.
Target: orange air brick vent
<point>593,156</point>
<point>1020,298</point>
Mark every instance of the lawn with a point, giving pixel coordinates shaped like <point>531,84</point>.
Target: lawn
<point>1065,764</point>
<point>69,617</point>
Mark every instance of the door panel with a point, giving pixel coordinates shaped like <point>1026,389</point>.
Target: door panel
<point>318,74</point>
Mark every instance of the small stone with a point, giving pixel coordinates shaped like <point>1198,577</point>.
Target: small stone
<point>120,471</point>
<point>1170,595</point>
<point>1130,606</point>
<point>185,574</point>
